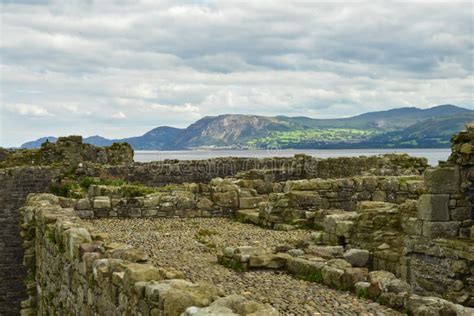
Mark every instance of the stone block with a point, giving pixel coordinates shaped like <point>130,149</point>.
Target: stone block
<point>444,179</point>
<point>327,252</point>
<point>415,186</point>
<point>152,200</point>
<point>269,261</point>
<point>250,202</point>
<point>390,184</point>
<point>352,276</point>
<point>85,213</point>
<point>306,269</point>
<point>441,229</point>
<point>381,278</point>
<point>226,199</point>
<point>204,204</point>
<point>461,213</point>
<point>357,257</point>
<point>344,228</point>
<point>397,286</point>
<point>413,226</point>
<point>379,196</point>
<point>338,263</point>
<point>304,198</point>
<point>101,202</point>
<point>137,272</point>
<point>73,238</point>
<point>332,276</point>
<point>433,207</point>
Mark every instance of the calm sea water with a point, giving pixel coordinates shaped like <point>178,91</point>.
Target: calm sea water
<point>433,155</point>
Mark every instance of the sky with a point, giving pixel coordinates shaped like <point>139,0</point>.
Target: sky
<point>120,68</point>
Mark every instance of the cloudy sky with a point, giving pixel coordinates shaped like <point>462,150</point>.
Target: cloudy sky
<point>120,68</point>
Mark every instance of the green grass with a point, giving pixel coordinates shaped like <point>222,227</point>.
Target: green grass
<point>88,181</point>
<point>69,189</point>
<point>235,265</point>
<point>312,277</point>
<point>297,137</point>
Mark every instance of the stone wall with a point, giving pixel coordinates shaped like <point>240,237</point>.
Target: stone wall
<point>72,271</point>
<point>302,200</point>
<point>15,184</point>
<point>67,151</point>
<point>279,202</point>
<point>267,169</point>
<point>439,251</point>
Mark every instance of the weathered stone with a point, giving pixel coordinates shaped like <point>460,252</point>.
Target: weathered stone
<point>73,238</point>
<point>440,229</point>
<point>83,204</point>
<point>317,237</point>
<point>397,286</point>
<point>414,226</point>
<point>232,305</point>
<point>296,252</point>
<point>445,179</point>
<point>306,269</point>
<point>152,200</point>
<point>304,198</point>
<point>339,264</point>
<point>270,261</point>
<point>204,204</point>
<point>357,257</point>
<point>332,276</point>
<point>460,214</point>
<point>378,281</point>
<point>433,207</point>
<point>137,272</point>
<point>249,202</point>
<point>101,202</point>
<point>379,196</point>
<point>328,252</point>
<point>352,276</point>
<point>226,199</point>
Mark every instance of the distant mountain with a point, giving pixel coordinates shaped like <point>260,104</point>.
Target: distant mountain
<point>434,132</point>
<point>382,120</point>
<point>402,127</point>
<point>95,140</point>
<point>163,138</point>
<point>226,130</point>
<point>37,143</point>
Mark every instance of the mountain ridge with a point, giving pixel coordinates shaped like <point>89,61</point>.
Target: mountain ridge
<point>408,126</point>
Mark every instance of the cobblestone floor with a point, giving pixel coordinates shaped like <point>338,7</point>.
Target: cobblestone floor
<point>191,245</point>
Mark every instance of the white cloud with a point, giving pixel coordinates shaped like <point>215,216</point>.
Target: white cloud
<point>166,63</point>
<point>119,115</point>
<point>28,110</point>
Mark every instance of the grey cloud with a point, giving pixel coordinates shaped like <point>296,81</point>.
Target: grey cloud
<point>119,68</point>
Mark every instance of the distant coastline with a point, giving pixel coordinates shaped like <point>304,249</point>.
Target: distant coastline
<point>432,154</point>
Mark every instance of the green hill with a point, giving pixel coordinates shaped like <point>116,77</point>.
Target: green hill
<point>403,127</point>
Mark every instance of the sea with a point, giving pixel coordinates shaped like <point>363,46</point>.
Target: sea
<point>434,155</point>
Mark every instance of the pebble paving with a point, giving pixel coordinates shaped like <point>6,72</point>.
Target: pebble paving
<point>191,245</point>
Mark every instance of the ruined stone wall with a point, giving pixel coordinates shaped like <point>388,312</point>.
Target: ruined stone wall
<point>267,169</point>
<point>15,185</point>
<point>279,202</point>
<point>301,201</point>
<point>72,271</point>
<point>67,151</point>
<point>439,250</point>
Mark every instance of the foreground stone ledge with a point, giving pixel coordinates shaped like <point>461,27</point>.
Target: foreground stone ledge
<point>381,286</point>
<point>73,271</point>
